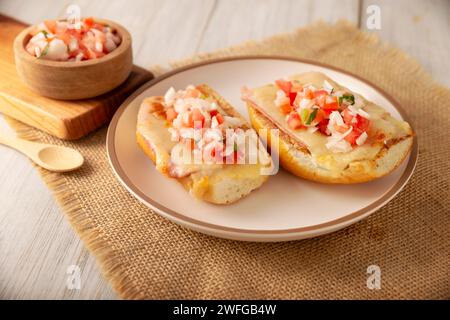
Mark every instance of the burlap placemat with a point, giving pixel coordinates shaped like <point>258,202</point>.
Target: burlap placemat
<point>146,256</point>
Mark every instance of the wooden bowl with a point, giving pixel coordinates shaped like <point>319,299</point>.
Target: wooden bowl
<point>72,80</point>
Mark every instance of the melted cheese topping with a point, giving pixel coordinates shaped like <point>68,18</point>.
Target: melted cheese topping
<point>180,150</point>
<point>382,123</point>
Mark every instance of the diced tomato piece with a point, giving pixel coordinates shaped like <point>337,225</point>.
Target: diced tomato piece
<point>327,112</point>
<point>51,25</point>
<point>198,118</point>
<point>362,123</point>
<point>219,118</point>
<point>64,37</point>
<point>320,115</point>
<point>308,94</point>
<point>296,86</point>
<point>292,96</point>
<point>286,108</point>
<point>352,136</point>
<point>97,26</point>
<point>212,113</point>
<point>294,121</point>
<point>323,126</point>
<point>341,129</point>
<point>171,114</point>
<point>92,54</point>
<point>190,143</point>
<point>74,33</point>
<point>211,154</point>
<point>284,85</point>
<point>99,54</point>
<point>320,100</point>
<point>348,117</point>
<point>73,54</point>
<point>89,22</point>
<point>192,93</point>
<point>319,93</point>
<point>88,53</point>
<point>331,105</point>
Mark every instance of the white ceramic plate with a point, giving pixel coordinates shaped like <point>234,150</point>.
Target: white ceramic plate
<point>285,207</point>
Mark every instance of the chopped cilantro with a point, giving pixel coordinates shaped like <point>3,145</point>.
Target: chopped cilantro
<point>44,52</point>
<point>347,97</point>
<point>312,116</point>
<point>304,115</point>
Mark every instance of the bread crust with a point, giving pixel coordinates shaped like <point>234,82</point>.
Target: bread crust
<point>297,160</point>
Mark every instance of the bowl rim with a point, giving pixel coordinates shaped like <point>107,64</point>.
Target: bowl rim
<point>124,46</point>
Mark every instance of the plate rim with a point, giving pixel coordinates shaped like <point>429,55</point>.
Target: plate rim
<point>208,227</point>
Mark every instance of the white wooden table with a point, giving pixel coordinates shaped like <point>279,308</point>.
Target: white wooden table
<point>37,244</point>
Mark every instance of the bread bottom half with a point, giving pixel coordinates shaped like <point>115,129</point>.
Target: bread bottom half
<point>297,159</point>
<point>224,186</point>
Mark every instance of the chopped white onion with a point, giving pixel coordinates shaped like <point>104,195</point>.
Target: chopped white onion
<point>169,97</point>
<point>336,142</point>
<point>187,133</point>
<point>73,44</point>
<point>281,99</point>
<point>79,56</point>
<point>180,106</point>
<point>214,122</point>
<point>110,45</point>
<point>37,38</point>
<point>336,118</point>
<point>174,136</point>
<point>363,113</point>
<point>37,51</point>
<point>57,50</point>
<point>305,103</point>
<point>361,139</point>
<point>327,86</point>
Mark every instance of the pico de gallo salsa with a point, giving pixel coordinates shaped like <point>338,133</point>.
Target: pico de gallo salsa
<point>198,123</point>
<point>335,113</point>
<point>62,41</point>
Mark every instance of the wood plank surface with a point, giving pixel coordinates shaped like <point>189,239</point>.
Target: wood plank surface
<point>420,28</point>
<point>36,243</point>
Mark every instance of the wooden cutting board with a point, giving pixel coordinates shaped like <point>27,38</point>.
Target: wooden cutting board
<point>67,120</point>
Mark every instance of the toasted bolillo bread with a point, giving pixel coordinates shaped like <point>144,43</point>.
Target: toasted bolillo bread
<point>328,134</point>
<point>192,123</point>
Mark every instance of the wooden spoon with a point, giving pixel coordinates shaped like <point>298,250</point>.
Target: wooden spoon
<point>48,156</point>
